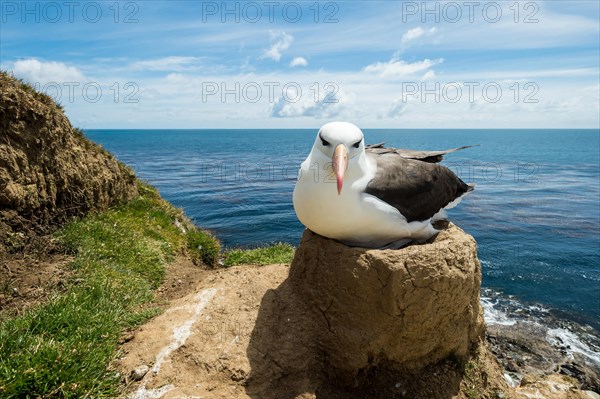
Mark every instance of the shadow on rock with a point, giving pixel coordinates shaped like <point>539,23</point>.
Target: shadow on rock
<point>286,362</point>
<point>283,356</point>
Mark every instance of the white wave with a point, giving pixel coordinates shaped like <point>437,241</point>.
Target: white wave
<point>564,338</point>
<point>513,382</point>
<point>493,315</point>
<point>537,308</point>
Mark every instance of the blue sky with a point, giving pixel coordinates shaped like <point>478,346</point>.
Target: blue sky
<point>278,64</point>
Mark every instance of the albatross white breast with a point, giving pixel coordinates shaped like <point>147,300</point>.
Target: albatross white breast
<point>372,196</point>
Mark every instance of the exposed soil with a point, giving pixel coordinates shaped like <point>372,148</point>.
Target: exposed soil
<point>182,276</point>
<point>26,281</point>
<point>213,361</point>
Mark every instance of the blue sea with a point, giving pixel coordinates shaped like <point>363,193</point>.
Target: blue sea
<point>535,212</point>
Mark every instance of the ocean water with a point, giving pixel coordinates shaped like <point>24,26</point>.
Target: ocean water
<point>535,212</point>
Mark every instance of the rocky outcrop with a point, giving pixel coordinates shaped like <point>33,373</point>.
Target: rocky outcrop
<point>552,386</point>
<point>523,349</point>
<point>49,171</point>
<point>406,308</point>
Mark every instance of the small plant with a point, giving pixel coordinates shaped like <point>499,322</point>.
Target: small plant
<point>276,253</point>
<point>79,133</point>
<point>203,246</point>
<point>147,190</point>
<point>14,241</point>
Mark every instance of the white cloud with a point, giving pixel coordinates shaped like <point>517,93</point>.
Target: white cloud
<point>175,78</point>
<point>398,67</point>
<point>331,106</point>
<point>428,75</point>
<point>416,33</point>
<point>397,109</point>
<point>175,99</point>
<point>298,61</point>
<point>172,63</point>
<point>36,71</point>
<point>555,106</point>
<point>280,41</point>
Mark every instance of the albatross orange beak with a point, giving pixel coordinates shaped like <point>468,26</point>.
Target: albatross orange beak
<point>340,164</point>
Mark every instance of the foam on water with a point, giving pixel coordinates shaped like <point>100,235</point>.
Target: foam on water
<point>570,338</point>
<point>493,315</point>
<point>572,343</point>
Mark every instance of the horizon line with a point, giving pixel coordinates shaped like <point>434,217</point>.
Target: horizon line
<point>369,128</point>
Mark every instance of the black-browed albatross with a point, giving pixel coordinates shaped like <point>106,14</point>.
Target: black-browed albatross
<point>385,197</point>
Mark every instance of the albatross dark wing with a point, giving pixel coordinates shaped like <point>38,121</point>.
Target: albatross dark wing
<point>417,189</point>
<point>425,156</point>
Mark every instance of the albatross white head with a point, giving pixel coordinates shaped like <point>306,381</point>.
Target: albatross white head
<point>343,143</point>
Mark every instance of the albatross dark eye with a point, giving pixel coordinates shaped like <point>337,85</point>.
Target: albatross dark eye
<point>357,144</point>
<point>325,142</point>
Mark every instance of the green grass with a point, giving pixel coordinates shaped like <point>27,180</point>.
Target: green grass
<point>203,247</point>
<point>62,349</point>
<point>276,253</point>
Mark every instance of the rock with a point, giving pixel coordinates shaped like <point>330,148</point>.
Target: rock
<point>126,337</point>
<point>523,348</point>
<point>511,365</point>
<point>553,386</point>
<point>405,308</point>
<point>591,394</point>
<point>527,380</point>
<point>587,377</point>
<point>139,372</point>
